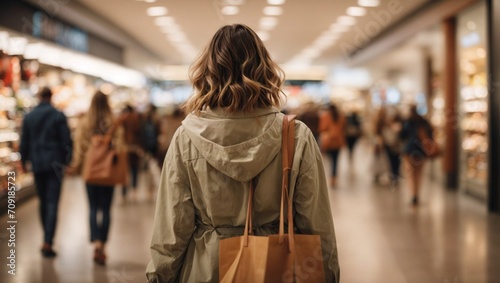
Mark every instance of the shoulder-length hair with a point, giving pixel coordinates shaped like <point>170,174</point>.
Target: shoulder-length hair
<point>99,116</point>
<point>235,73</point>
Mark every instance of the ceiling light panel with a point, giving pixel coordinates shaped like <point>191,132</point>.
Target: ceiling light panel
<point>164,21</point>
<point>268,22</point>
<point>230,10</point>
<point>234,2</point>
<point>156,11</point>
<point>356,11</point>
<point>273,11</point>
<point>346,20</point>
<point>276,2</point>
<point>369,3</point>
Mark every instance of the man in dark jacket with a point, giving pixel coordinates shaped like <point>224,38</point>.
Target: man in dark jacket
<point>46,143</point>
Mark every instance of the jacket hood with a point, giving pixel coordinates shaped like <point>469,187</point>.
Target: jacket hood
<point>239,145</point>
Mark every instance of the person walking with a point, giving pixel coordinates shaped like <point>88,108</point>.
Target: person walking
<point>353,132</point>
<point>98,121</point>
<point>332,137</point>
<point>379,155</point>
<point>46,143</point>
<point>150,132</point>
<point>231,137</point>
<point>413,151</point>
<point>132,127</point>
<point>392,143</point>
<point>310,116</point>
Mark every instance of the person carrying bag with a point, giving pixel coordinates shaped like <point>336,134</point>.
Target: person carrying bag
<point>223,172</point>
<point>274,258</point>
<point>100,157</point>
<point>104,163</point>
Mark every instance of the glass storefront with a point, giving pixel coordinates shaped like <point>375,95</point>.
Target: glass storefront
<point>473,100</point>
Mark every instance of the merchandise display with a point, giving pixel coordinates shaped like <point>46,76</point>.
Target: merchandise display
<point>473,99</point>
<point>19,82</point>
<point>12,103</point>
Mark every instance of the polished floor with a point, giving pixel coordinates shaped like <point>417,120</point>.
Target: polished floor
<point>449,238</point>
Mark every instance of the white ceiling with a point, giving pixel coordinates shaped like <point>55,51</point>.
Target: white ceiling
<point>301,23</point>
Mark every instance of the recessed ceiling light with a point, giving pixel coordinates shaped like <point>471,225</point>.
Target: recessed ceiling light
<point>149,1</point>
<point>234,2</point>
<point>369,3</point>
<point>164,21</point>
<point>276,2</point>
<point>177,37</point>
<point>356,11</point>
<point>273,11</point>
<point>156,11</point>
<point>346,20</point>
<point>268,22</point>
<point>171,28</point>
<point>230,10</point>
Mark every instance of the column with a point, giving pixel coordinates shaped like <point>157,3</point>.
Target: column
<point>450,152</point>
<point>494,104</point>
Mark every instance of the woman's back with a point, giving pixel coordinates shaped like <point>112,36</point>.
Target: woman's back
<point>212,159</point>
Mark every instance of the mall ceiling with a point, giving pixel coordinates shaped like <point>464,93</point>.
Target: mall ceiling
<point>316,32</point>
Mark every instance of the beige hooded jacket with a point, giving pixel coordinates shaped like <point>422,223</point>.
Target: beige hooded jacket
<point>204,188</point>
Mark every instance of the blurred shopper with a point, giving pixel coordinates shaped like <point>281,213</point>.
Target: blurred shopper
<point>309,114</point>
<point>414,151</point>
<point>46,143</point>
<point>169,126</point>
<point>332,138</point>
<point>393,145</point>
<point>132,127</point>
<point>98,120</point>
<point>150,132</point>
<point>353,131</point>
<point>231,137</point>
<point>379,154</point>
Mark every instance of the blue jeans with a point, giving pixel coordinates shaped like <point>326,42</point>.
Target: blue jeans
<point>48,186</point>
<point>334,155</point>
<point>100,198</point>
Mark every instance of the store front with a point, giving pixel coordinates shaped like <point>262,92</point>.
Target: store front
<point>52,53</point>
<point>473,100</point>
<point>443,69</point>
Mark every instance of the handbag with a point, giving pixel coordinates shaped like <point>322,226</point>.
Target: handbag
<point>273,258</point>
<point>104,164</point>
<point>430,147</point>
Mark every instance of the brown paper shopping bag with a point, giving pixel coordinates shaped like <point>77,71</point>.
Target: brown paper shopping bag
<point>275,258</point>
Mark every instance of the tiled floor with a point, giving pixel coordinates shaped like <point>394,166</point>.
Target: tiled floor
<point>450,238</point>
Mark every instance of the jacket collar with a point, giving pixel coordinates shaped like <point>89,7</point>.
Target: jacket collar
<point>221,113</point>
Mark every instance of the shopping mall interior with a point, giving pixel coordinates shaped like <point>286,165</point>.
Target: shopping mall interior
<point>373,58</point>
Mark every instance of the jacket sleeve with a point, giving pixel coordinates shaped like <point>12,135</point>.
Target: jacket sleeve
<point>24,147</point>
<point>312,207</point>
<point>64,135</point>
<point>174,221</point>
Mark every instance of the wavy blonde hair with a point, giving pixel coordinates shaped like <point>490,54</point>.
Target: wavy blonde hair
<point>99,115</point>
<point>235,73</point>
